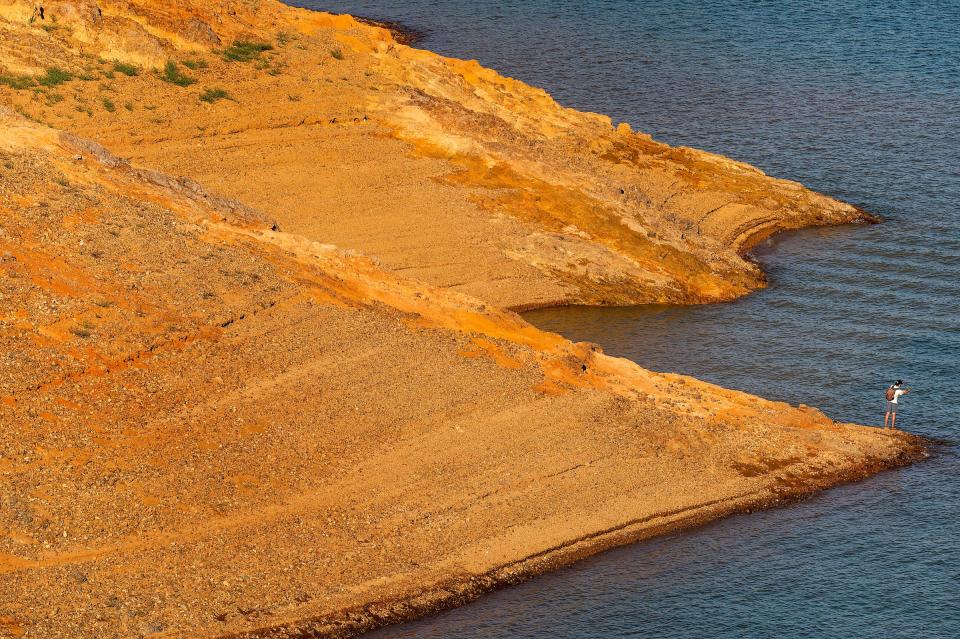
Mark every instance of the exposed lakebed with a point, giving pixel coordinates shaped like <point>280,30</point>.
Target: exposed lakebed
<point>860,102</point>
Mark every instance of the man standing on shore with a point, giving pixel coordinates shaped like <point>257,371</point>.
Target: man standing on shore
<point>893,401</point>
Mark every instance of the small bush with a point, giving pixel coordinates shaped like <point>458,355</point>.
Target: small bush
<point>212,95</point>
<point>17,82</point>
<point>195,64</point>
<point>109,105</point>
<point>245,51</point>
<point>126,69</point>
<point>54,76</point>
<point>284,38</point>
<point>54,98</point>
<point>26,115</point>
<point>173,75</point>
<point>84,331</point>
<point>128,106</point>
<point>337,54</point>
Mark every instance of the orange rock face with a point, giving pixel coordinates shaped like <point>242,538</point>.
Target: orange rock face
<point>282,397</point>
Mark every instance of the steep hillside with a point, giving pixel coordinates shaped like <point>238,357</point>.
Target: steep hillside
<point>444,170</point>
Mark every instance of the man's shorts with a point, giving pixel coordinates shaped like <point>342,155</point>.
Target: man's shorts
<point>892,407</point>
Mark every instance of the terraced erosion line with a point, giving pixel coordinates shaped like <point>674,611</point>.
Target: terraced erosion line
<point>281,395</point>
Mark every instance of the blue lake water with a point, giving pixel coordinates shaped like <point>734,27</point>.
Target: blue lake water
<point>860,100</point>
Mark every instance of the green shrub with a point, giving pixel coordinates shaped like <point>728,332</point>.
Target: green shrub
<point>109,105</point>
<point>126,69</point>
<point>18,82</point>
<point>245,51</point>
<point>337,54</point>
<point>54,76</point>
<point>173,75</point>
<point>195,64</point>
<point>212,95</point>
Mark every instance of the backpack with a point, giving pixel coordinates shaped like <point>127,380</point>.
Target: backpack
<point>890,394</point>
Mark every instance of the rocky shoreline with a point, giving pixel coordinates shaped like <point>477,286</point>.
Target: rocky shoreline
<point>402,33</point>
<point>459,592</point>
